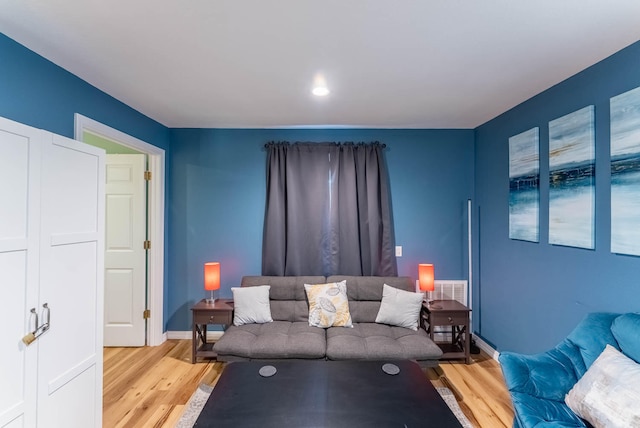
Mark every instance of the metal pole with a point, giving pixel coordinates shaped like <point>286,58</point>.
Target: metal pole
<point>470,250</point>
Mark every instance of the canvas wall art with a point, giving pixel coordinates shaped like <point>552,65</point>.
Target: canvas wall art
<point>572,179</point>
<point>524,186</point>
<point>625,173</point>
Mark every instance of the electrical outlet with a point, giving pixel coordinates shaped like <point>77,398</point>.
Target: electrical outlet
<point>398,250</point>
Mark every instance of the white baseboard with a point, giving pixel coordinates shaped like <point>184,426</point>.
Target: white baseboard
<point>486,347</point>
<point>211,335</point>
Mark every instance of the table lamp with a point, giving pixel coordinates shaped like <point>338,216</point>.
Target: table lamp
<point>211,278</point>
<point>426,278</point>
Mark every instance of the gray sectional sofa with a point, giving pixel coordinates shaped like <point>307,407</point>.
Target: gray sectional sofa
<point>290,336</point>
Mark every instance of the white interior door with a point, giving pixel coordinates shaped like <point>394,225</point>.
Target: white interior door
<point>125,256</point>
<point>19,245</point>
<point>71,284</point>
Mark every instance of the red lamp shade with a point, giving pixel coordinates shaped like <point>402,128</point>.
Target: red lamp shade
<point>425,277</point>
<point>212,276</point>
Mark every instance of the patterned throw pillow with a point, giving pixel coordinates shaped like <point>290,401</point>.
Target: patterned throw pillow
<point>608,394</point>
<point>328,305</point>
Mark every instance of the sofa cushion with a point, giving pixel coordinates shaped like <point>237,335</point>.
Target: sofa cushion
<point>370,287</point>
<point>591,336</point>
<point>609,392</point>
<point>370,341</point>
<point>538,383</point>
<point>400,308</point>
<point>548,375</point>
<point>328,305</point>
<point>288,299</point>
<point>532,411</point>
<point>625,329</point>
<point>365,293</point>
<point>278,339</point>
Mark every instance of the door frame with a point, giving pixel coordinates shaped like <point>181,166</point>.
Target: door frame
<point>156,224</point>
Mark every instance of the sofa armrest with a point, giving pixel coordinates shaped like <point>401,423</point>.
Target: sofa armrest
<point>549,375</point>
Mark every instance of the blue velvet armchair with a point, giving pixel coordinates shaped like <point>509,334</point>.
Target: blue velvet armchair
<point>538,383</point>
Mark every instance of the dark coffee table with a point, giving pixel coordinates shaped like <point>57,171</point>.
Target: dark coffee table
<point>325,394</point>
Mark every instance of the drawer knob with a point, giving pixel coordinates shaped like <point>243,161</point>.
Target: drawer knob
<point>450,319</point>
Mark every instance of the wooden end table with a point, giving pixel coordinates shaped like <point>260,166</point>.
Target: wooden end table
<point>449,313</point>
<point>204,312</point>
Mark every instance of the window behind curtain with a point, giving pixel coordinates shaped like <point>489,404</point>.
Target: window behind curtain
<point>328,211</point>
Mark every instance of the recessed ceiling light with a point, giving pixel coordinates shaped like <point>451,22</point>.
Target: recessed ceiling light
<point>320,91</point>
<point>320,86</point>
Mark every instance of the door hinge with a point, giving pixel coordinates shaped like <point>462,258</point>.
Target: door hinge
<point>147,244</point>
<point>146,314</point>
<point>147,175</point>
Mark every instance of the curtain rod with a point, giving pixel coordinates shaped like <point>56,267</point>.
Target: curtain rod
<point>373,143</point>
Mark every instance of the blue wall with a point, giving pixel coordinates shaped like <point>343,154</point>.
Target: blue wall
<point>218,198</point>
<point>532,294</point>
<point>215,195</point>
<point>527,296</point>
<point>36,92</point>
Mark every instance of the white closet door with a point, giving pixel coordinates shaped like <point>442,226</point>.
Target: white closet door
<point>19,245</point>
<point>71,284</point>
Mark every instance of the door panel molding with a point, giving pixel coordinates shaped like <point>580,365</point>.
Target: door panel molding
<point>125,296</point>
<point>20,173</point>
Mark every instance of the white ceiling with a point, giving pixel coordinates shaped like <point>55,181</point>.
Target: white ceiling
<point>388,64</point>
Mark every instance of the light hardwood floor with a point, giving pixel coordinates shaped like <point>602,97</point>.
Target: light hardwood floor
<point>149,387</point>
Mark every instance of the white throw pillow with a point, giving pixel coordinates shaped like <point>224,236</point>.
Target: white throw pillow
<point>251,305</point>
<point>400,308</point>
<point>328,305</point>
<point>609,392</point>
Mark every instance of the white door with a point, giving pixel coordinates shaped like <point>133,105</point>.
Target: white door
<point>19,245</point>
<point>125,256</point>
<point>51,252</point>
<point>71,284</point>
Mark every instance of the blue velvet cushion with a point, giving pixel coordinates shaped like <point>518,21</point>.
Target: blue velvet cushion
<point>538,412</point>
<point>591,336</point>
<point>626,330</point>
<point>549,375</point>
<point>538,383</point>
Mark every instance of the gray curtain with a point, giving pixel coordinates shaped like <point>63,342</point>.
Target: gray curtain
<point>328,211</point>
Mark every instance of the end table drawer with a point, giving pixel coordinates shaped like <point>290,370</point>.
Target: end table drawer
<point>449,319</point>
<point>213,318</point>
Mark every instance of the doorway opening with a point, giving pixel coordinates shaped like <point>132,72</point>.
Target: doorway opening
<point>85,129</point>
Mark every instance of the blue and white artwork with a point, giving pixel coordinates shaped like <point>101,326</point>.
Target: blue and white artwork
<point>524,186</point>
<point>625,173</point>
<point>572,179</point>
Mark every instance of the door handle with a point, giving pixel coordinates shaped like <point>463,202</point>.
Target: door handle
<point>46,317</point>
<point>31,336</point>
<point>39,329</point>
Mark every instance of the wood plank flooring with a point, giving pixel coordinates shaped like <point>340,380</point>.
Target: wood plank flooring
<point>149,387</point>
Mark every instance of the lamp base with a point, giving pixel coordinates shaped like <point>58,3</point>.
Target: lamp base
<point>211,300</point>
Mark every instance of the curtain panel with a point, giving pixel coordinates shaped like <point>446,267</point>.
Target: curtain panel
<point>328,211</point>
